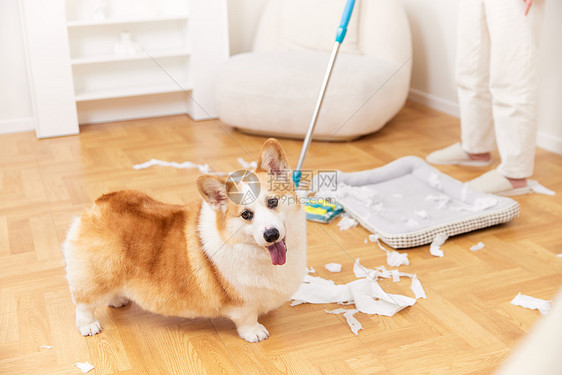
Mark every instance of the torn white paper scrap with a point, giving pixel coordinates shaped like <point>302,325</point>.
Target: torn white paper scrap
<point>478,246</point>
<point>46,346</point>
<point>370,298</point>
<point>539,189</point>
<point>349,316</point>
<point>532,303</point>
<point>84,366</point>
<point>395,276</point>
<point>366,293</point>
<point>434,181</point>
<point>381,271</point>
<point>310,270</point>
<point>417,288</point>
<point>396,259</point>
<point>393,258</point>
<point>361,271</point>
<point>346,222</point>
<point>366,240</point>
<point>203,168</point>
<point>559,255</point>
<point>333,267</point>
<point>319,290</point>
<point>251,165</point>
<point>435,247</point>
<point>421,214</point>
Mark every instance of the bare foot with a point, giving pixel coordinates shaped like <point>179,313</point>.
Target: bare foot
<point>481,157</point>
<point>518,182</point>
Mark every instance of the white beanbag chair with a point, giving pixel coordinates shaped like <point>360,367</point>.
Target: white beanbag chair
<point>273,89</point>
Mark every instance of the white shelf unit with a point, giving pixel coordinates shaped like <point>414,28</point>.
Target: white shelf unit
<point>181,42</point>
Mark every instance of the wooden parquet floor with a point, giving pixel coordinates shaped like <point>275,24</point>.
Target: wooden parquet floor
<point>465,326</point>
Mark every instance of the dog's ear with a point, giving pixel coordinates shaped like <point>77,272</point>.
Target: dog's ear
<point>273,158</point>
<point>213,190</point>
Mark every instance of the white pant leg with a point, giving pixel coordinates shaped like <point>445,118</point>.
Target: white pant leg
<point>514,82</point>
<point>472,75</point>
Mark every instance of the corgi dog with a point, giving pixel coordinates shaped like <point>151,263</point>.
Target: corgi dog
<point>217,257</point>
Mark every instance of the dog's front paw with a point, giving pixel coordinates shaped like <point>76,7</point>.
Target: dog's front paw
<point>253,333</point>
<point>90,329</point>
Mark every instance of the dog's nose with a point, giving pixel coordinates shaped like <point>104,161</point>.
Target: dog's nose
<point>271,234</point>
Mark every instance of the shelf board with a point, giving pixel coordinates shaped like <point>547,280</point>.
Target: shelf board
<point>121,93</point>
<point>119,21</point>
<point>118,58</point>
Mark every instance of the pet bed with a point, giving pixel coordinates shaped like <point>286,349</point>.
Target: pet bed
<point>408,202</point>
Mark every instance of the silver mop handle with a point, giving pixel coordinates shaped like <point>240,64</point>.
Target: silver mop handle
<point>308,137</point>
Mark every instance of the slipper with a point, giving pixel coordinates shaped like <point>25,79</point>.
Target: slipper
<point>493,182</point>
<point>455,154</point>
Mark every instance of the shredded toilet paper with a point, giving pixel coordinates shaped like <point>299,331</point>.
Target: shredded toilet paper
<point>434,181</point>
<point>532,303</point>
<point>393,258</point>
<point>84,366</point>
<point>251,165</point>
<point>435,247</point>
<point>203,168</point>
<point>346,222</point>
<point>365,293</point>
<point>478,246</point>
<point>333,267</point>
<point>349,316</point>
<point>539,189</point>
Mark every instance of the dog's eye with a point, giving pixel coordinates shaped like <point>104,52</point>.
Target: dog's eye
<point>247,215</point>
<point>272,202</point>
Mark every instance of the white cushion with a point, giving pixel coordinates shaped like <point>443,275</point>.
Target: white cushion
<point>277,91</point>
<point>273,90</point>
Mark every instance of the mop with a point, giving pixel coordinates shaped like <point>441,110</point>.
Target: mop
<point>320,210</point>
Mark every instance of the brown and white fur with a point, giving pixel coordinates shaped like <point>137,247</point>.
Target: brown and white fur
<point>199,260</point>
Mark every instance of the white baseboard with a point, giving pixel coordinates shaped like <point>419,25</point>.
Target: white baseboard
<point>549,142</point>
<point>17,125</point>
<point>435,102</point>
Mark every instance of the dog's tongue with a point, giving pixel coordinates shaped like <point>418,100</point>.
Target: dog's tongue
<point>278,253</point>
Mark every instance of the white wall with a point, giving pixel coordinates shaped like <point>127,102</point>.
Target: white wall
<point>550,107</point>
<point>433,25</point>
<point>16,111</point>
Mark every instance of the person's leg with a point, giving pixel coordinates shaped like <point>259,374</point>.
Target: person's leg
<point>472,75</point>
<point>514,84</point>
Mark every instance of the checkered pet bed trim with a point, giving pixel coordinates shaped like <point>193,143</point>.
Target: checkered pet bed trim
<point>426,236</point>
